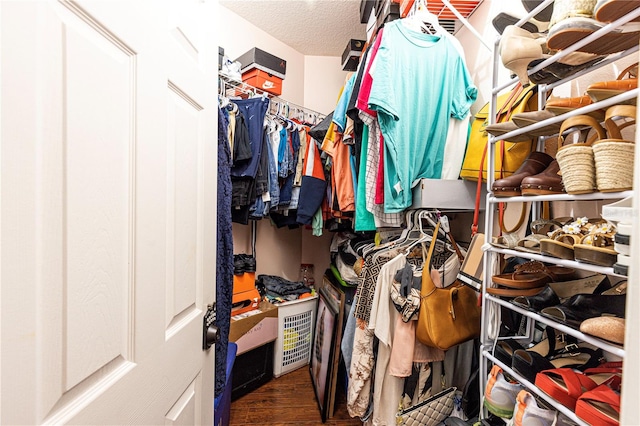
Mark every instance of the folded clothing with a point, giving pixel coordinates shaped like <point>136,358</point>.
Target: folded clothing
<point>278,286</point>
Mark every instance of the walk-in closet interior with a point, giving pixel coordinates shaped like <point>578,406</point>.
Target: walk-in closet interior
<point>428,210</point>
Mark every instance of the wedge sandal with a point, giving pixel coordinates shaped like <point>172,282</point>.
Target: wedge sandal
<point>566,385</point>
<point>599,406</point>
<point>572,30</point>
<point>627,80</point>
<point>597,246</point>
<point>612,10</point>
<point>561,242</point>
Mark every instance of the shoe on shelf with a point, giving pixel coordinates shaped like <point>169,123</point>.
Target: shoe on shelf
<point>606,328</point>
<point>518,47</point>
<point>580,307</point>
<point>500,394</point>
<point>566,385</point>
<point>553,293</point>
<point>601,405</point>
<point>546,182</point>
<point>535,163</point>
<point>576,160</point>
<point>580,357</point>
<point>560,106</point>
<point>560,243</point>
<point>573,20</point>
<point>563,68</point>
<point>596,247</point>
<point>523,119</point>
<point>627,80</point>
<point>612,10</point>
<point>502,20</point>
<point>528,413</point>
<point>544,15</point>
<point>528,279</point>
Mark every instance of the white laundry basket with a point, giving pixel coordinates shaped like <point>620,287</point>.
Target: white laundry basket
<point>296,320</point>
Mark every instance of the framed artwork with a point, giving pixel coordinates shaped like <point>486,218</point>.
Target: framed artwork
<point>337,298</point>
<point>322,352</point>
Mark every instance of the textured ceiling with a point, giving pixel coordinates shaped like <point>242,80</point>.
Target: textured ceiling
<point>312,27</point>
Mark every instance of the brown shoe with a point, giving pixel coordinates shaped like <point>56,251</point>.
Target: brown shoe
<point>560,106</point>
<point>545,183</point>
<point>535,163</point>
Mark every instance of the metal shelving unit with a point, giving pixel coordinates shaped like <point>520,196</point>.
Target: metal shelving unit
<point>493,304</point>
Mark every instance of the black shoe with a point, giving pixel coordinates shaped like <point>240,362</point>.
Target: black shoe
<point>544,15</point>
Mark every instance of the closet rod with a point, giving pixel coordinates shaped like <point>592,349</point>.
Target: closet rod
<point>250,90</point>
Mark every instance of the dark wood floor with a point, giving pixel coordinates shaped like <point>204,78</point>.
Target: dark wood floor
<point>287,400</point>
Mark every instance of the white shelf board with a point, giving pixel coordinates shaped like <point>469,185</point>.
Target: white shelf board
<point>562,197</point>
<point>447,194</point>
<point>605,346</point>
<point>562,262</point>
<point>533,389</point>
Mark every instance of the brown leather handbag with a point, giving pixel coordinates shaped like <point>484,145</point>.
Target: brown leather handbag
<point>448,316</point>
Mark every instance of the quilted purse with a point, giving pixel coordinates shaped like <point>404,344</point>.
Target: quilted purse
<point>429,412</point>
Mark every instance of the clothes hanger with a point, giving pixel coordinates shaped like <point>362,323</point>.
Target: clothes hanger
<point>424,20</point>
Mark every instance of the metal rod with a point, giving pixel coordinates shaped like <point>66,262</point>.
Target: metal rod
<point>466,23</point>
<point>561,197</point>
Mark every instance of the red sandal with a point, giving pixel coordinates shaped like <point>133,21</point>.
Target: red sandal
<point>566,385</point>
<point>601,405</point>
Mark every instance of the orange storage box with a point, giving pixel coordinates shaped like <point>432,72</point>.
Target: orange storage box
<point>244,282</point>
<point>264,81</point>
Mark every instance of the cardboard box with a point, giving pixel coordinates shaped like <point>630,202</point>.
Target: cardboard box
<point>351,55</point>
<point>264,81</point>
<point>263,61</point>
<point>254,328</point>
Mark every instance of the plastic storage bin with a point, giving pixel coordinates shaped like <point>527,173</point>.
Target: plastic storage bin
<point>296,320</point>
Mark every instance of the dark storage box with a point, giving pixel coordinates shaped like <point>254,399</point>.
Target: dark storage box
<point>351,55</point>
<point>388,12</point>
<point>251,370</point>
<point>366,6</point>
<point>264,61</point>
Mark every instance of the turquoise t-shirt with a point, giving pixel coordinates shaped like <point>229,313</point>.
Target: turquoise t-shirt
<point>419,82</point>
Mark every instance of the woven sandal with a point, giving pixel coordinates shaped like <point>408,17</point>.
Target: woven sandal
<point>577,165</point>
<point>614,171</point>
<point>573,20</point>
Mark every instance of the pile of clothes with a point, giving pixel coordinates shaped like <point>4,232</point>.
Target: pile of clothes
<point>277,289</point>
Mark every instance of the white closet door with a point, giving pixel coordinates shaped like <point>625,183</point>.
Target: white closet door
<point>108,118</point>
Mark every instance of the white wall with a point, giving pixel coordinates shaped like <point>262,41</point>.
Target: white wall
<point>323,78</point>
<point>313,82</point>
<point>237,35</point>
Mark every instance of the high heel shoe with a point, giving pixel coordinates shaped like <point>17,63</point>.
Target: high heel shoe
<point>518,48</point>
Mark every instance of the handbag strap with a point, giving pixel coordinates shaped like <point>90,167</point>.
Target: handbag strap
<point>426,290</point>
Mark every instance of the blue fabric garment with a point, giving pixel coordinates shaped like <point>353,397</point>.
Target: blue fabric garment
<point>283,161</point>
<point>348,334</point>
<point>414,102</point>
<point>254,111</point>
<point>286,190</point>
<point>340,114</point>
<point>224,253</point>
<point>274,187</point>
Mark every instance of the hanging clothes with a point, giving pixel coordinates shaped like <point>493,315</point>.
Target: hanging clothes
<point>224,254</point>
<point>415,127</point>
